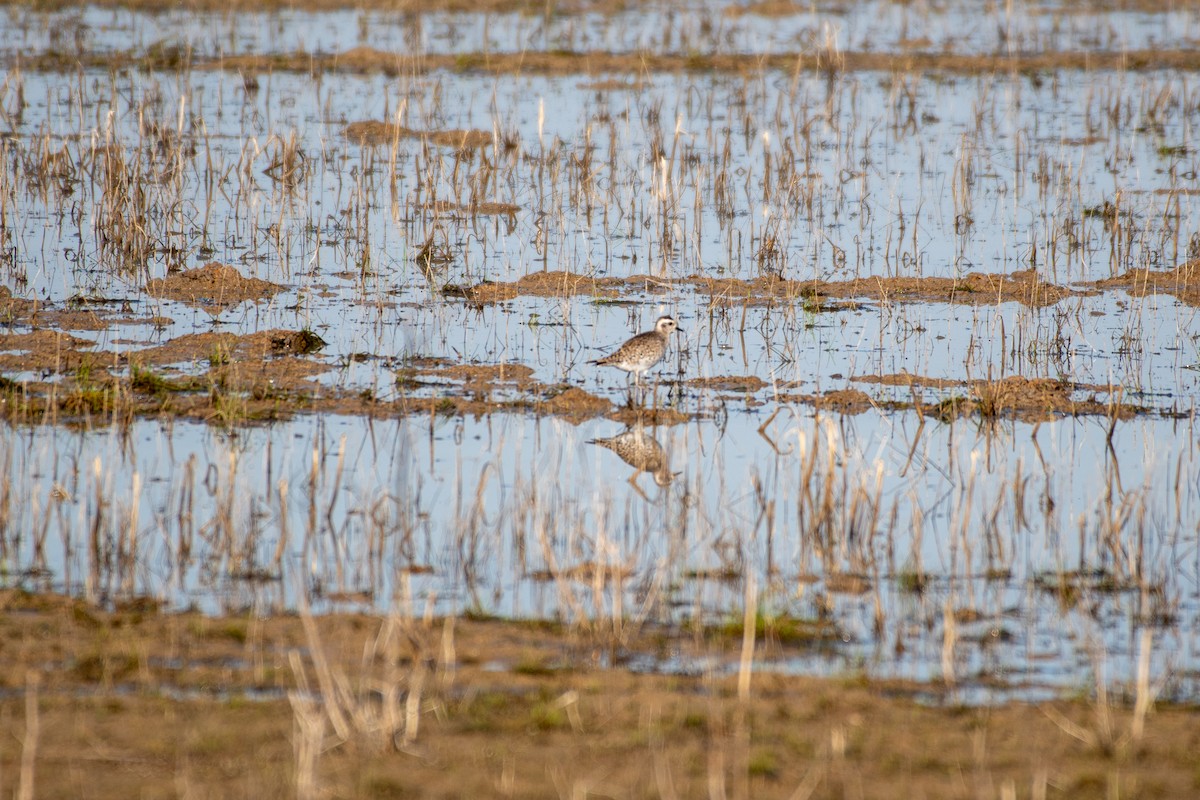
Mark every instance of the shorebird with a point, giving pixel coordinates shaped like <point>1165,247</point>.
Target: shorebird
<point>641,451</point>
<point>642,351</point>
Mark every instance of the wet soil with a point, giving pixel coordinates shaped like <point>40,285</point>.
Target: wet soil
<point>132,701</point>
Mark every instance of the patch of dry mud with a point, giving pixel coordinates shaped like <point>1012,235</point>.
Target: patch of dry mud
<point>244,378</point>
<point>478,381</point>
<point>610,85</point>
<point>471,374</point>
<point>213,284</point>
<point>260,378</point>
<point>77,314</point>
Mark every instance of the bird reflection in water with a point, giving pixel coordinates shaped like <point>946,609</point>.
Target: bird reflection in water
<point>640,450</point>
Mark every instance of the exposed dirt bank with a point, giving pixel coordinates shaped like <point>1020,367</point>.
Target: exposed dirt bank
<point>138,703</point>
<point>366,60</point>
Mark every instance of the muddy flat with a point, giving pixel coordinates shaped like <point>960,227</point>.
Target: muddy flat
<point>139,701</point>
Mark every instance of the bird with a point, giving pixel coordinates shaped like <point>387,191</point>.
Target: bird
<point>641,451</point>
<point>642,351</point>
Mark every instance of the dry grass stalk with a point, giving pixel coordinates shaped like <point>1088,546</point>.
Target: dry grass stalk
<point>29,743</point>
<point>1103,735</point>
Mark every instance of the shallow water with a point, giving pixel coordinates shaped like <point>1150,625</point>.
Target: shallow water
<point>895,217</point>
<point>665,27</point>
<point>474,515</point>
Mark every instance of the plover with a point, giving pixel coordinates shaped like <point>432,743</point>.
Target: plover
<point>641,451</point>
<point>642,351</point>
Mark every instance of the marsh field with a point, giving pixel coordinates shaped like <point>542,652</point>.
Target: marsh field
<point>309,489</point>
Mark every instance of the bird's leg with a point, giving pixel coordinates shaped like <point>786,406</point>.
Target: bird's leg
<point>637,487</point>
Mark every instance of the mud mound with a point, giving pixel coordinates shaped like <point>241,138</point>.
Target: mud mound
<point>843,401</point>
<point>13,308</point>
<point>1040,399</point>
<point>730,383</point>
<point>974,288</point>
<point>374,132</point>
<point>906,379</point>
<point>575,405</point>
<point>213,284</point>
<point>649,416</point>
<point>48,351</point>
<point>485,209</point>
<point>265,378</point>
<point>1183,282</point>
<point>218,348</point>
<point>553,283</point>
<point>477,378</point>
